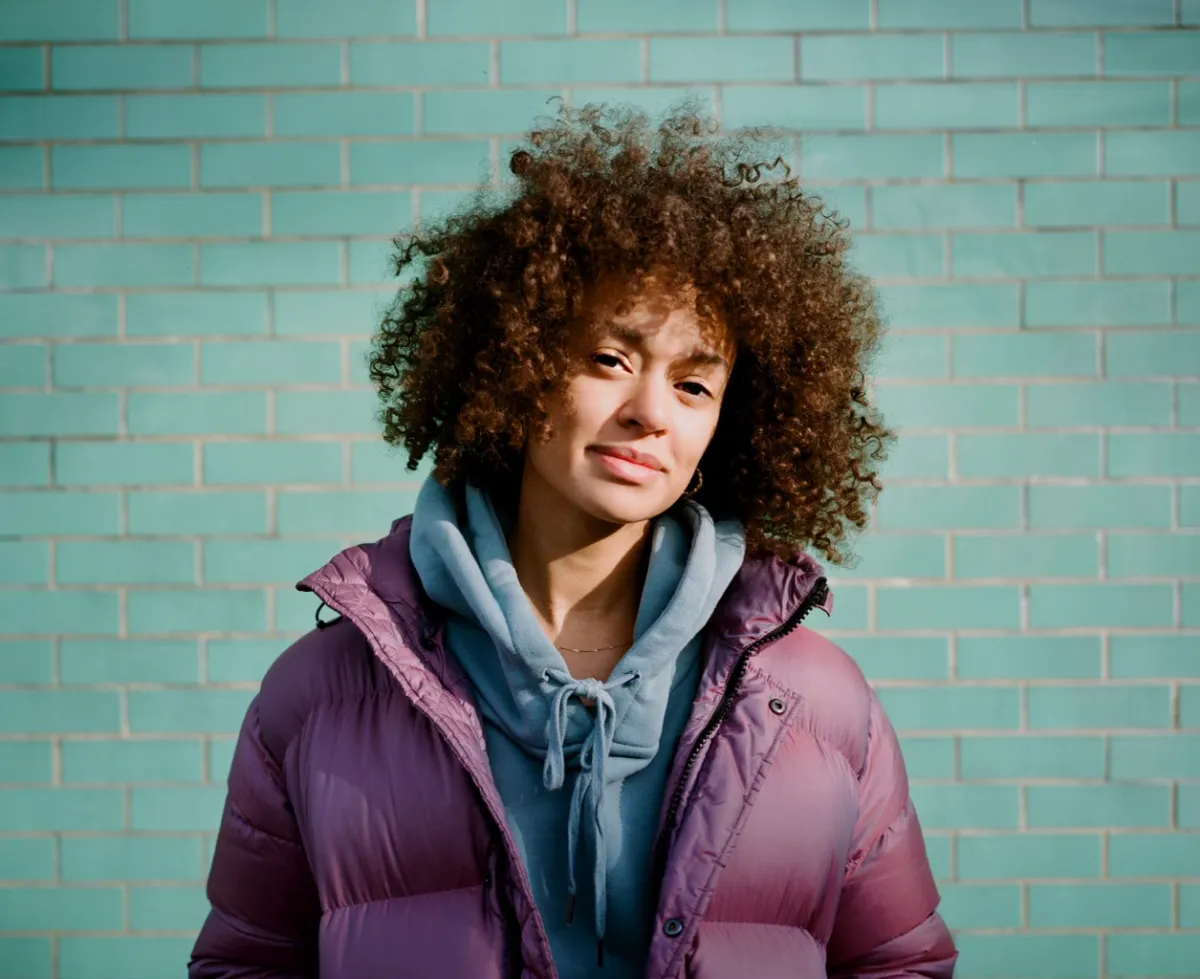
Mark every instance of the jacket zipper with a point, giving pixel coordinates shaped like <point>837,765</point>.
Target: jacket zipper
<point>815,597</point>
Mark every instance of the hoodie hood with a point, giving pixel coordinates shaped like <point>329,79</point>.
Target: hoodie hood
<point>521,682</point>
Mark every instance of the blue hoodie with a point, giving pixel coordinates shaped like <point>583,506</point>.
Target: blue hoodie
<point>578,784</point>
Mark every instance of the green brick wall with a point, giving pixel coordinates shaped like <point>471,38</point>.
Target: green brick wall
<point>195,206</point>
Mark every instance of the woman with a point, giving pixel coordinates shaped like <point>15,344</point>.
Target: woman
<point>567,721</point>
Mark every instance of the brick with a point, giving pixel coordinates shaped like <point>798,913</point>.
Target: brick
<point>906,206</point>
<point>949,507</point>
<point>1151,353</point>
<point>1189,806</point>
<point>103,66</point>
<point>263,561</point>
<point>1097,203</point>
<point>980,906</point>
<point>114,858</point>
<point>296,613</point>
<point>946,14</point>
<point>59,711</point>
<point>902,658</point>
<point>126,562</point>
<point>468,112</point>
<point>271,263</point>
<point>1095,905</point>
<point>900,556</point>
<point>1099,707</point>
<point>858,157</point>
<point>325,413</point>
<point>1025,355</point>
<point>50,810</point>
<point>995,55</point>
<point>551,62</point>
<point>949,708</point>
<point>22,69</point>
<point>1152,252</point>
<point>724,59</point>
<point>117,167</point>
<point>423,162</point>
<point>1129,606</point>
<point>23,266</point>
<point>241,660</point>
<point>1102,403</point>
<point>1187,201</point>
<point>1018,855</point>
<point>1131,955</point>
<point>947,106</point>
<point>62,908</point>
<point>1112,506</point>
<point>1189,404</point>
<point>26,858</point>
<point>806,107</point>
<point>1021,155</point>
<point>177,314</point>
<point>27,762</point>
<point>24,365</point>
<point>46,514</point>
<point>269,65</point>
<point>202,512</point>
<point>50,316</point>
<point>470,63</point>
<point>816,15</point>
<point>272,462</point>
<point>1189,905</point>
<point>1134,656</point>
<point>312,18</point>
<point>907,356</point>
<point>1116,804</point>
<point>267,362</point>
<point>57,216</point>
<point>177,808</point>
<point>124,365</point>
<point>1140,756</point>
<point>124,265</point>
<point>929,757</point>
<point>58,414</point>
<point>1189,506</point>
<point>1097,304</point>
<point>167,908</point>
<point>848,57</point>
<point>1154,855</point>
<point>937,848</point>
<point>201,610</point>
<point>377,462</point>
<point>344,113</point>
<point>1037,956</point>
<point>24,563</point>
<point>949,405</point>
<point>176,19</point>
<point>22,167</point>
<point>195,116</point>
<point>627,16</point>
<point>1153,555</point>
<point>27,118</point>
<point>1027,255</point>
<point>371,261</point>
<point>220,757</point>
<point>349,511</point>
<point>1032,757</point>
<point>955,306</point>
<point>25,464</point>
<point>1100,13</point>
<point>948,607</point>
<point>1152,153</point>
<point>1041,556</point>
<point>28,661</point>
<point>285,164</point>
<point>1154,454</point>
<point>200,413</point>
<point>960,806</point>
<point>1098,103</point>
<point>133,761</point>
<point>1028,455</point>
<point>1152,52</point>
<point>61,20</point>
<point>122,463</point>
<point>328,212</point>
<point>128,661</point>
<point>139,957</point>
<point>1189,706</point>
<point>899,256</point>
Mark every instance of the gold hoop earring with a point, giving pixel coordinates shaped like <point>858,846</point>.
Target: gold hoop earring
<point>690,492</point>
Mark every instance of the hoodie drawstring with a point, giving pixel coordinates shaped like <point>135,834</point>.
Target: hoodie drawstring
<point>590,783</point>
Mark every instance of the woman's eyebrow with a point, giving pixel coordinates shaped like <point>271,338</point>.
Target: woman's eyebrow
<point>699,356</point>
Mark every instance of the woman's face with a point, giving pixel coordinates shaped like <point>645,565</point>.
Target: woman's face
<point>646,394</point>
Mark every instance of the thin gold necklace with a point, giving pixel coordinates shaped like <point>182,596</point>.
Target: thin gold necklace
<point>594,649</point>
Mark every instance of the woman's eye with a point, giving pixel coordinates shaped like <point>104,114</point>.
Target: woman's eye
<point>700,392</point>
<point>606,360</point>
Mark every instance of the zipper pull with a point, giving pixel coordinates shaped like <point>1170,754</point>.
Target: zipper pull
<point>570,906</point>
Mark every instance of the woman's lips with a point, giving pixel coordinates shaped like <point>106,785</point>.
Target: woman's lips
<point>633,472</point>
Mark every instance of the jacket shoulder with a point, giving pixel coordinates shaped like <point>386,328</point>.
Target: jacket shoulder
<point>834,694</point>
<point>327,664</point>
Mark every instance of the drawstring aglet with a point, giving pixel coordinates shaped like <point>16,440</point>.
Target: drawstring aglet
<point>570,907</point>
<point>600,952</point>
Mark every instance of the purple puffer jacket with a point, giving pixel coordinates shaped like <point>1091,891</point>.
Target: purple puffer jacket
<point>364,838</point>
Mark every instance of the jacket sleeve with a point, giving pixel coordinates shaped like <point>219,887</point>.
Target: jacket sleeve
<point>887,925</point>
<point>265,909</point>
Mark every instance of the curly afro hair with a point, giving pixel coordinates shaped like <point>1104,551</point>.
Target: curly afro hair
<point>469,354</point>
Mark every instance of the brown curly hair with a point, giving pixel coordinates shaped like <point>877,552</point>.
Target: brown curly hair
<point>467,357</point>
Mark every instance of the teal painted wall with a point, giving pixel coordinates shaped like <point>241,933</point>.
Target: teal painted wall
<point>195,204</point>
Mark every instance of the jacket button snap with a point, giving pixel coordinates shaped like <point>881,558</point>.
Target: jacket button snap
<point>673,927</point>
<point>777,706</point>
